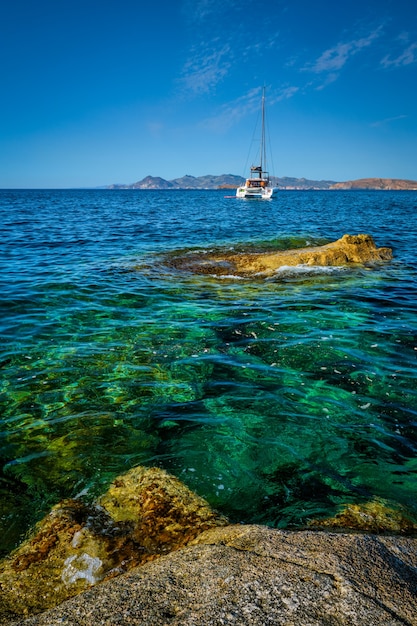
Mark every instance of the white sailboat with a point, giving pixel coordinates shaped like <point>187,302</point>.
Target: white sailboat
<point>258,185</point>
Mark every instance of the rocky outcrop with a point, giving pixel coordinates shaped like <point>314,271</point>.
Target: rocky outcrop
<point>252,575</point>
<point>144,514</point>
<point>80,567</point>
<point>350,249</point>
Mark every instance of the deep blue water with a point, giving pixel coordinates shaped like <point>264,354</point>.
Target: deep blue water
<point>277,400</point>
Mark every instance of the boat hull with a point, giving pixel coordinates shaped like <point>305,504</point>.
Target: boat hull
<point>263,193</point>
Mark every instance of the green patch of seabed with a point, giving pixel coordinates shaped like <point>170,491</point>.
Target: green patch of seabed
<point>289,443</point>
<point>275,412</point>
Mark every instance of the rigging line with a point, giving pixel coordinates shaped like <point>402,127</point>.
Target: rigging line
<point>255,135</point>
<point>268,146</point>
<point>263,146</point>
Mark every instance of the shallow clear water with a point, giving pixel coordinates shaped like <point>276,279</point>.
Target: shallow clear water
<point>275,399</point>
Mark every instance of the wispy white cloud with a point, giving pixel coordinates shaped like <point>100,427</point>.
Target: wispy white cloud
<point>408,56</point>
<point>388,120</point>
<point>210,57</point>
<point>211,60</point>
<point>283,93</point>
<point>333,59</point>
<point>330,78</point>
<point>232,112</point>
<point>199,10</point>
<point>218,49</point>
<point>207,66</point>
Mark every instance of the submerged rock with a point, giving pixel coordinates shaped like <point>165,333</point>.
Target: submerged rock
<point>376,516</point>
<point>196,569</point>
<point>252,575</point>
<point>164,513</point>
<point>350,249</point>
<point>145,513</point>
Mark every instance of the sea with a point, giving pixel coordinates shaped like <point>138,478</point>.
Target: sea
<point>279,399</point>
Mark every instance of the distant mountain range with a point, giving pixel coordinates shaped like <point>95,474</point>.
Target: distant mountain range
<point>377,183</point>
<point>231,181</point>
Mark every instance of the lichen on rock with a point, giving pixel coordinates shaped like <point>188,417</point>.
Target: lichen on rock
<point>348,250</point>
<point>165,514</point>
<point>253,576</point>
<point>144,514</point>
<point>375,516</point>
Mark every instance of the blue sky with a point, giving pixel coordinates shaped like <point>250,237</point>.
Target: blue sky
<point>95,93</point>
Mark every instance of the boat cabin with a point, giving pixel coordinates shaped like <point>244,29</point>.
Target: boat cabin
<point>258,177</point>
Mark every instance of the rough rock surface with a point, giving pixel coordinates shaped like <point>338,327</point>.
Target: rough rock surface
<point>350,249</point>
<point>145,513</point>
<point>255,576</point>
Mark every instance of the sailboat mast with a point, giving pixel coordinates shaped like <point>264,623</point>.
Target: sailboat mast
<point>263,146</point>
<point>258,185</point>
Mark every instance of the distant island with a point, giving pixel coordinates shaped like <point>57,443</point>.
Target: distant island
<point>231,181</point>
<point>377,183</point>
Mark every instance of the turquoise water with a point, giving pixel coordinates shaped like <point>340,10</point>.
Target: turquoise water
<point>276,399</point>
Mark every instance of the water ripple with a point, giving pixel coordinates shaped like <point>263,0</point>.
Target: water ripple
<point>275,399</point>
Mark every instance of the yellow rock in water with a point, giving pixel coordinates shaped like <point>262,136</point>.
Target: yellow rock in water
<point>164,513</point>
<point>350,249</point>
<point>144,514</point>
<point>376,516</point>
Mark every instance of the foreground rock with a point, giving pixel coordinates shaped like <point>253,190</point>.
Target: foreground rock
<point>254,576</point>
<point>350,249</point>
<point>144,514</point>
<point>150,551</point>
